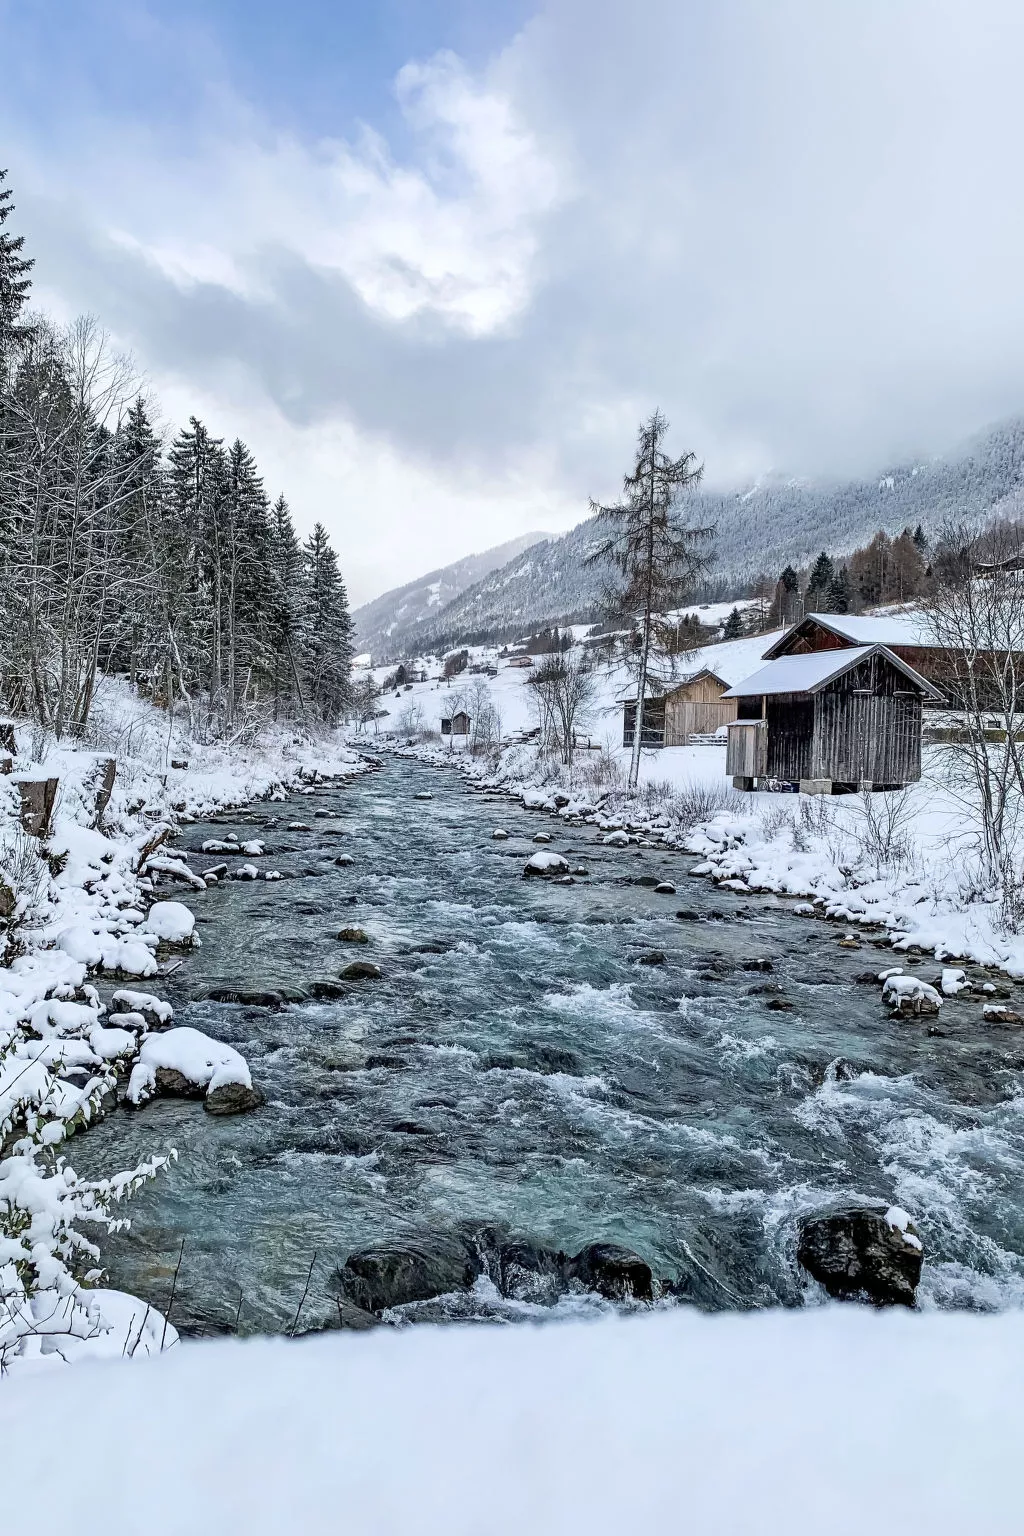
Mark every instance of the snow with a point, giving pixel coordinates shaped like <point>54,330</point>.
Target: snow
<point>545,863</point>
<point>730,1424</point>
<point>805,674</point>
<point>207,1063</point>
<point>906,628</point>
<point>171,921</point>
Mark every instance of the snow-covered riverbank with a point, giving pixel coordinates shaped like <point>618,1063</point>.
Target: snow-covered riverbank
<point>98,899</point>
<point>898,863</point>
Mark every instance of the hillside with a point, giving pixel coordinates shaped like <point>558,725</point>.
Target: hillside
<point>390,623</point>
<point>758,529</point>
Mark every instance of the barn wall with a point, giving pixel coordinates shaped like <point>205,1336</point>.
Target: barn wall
<point>790,734</point>
<point>867,726</point>
<point>687,717</point>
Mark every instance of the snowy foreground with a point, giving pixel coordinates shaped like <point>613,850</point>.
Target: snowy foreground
<point>838,1419</point>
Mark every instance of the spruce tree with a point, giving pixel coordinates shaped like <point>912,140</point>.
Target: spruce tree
<point>15,283</point>
<point>840,592</point>
<point>285,606</point>
<point>819,584</point>
<point>327,629</point>
<point>733,627</point>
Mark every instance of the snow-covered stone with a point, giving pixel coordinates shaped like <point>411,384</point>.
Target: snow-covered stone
<point>189,1054</point>
<point>909,995</point>
<point>171,922</point>
<point>154,1010</point>
<point>546,865</point>
<point>617,839</point>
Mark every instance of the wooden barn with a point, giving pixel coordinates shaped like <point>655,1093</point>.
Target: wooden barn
<point>907,635</point>
<point>828,721</point>
<point>673,712</point>
<point>458,725</point>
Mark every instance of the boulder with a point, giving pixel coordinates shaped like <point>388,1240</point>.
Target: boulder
<point>392,1275</point>
<point>613,1271</point>
<point>354,936</point>
<point>857,1251</point>
<point>616,840</point>
<point>527,1272</point>
<point>156,1013</point>
<point>656,957</point>
<point>543,837</point>
<point>361,970</point>
<point>175,1085</point>
<point>664,888</point>
<point>908,995</point>
<point>499,835</point>
<point>758,965</point>
<point>232,1099</point>
<point>545,866</point>
<point>424,794</point>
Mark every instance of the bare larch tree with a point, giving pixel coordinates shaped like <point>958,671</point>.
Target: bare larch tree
<point>658,559</point>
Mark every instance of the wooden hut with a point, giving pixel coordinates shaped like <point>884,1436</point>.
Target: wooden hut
<point>908,636</point>
<point>828,721</point>
<point>673,712</point>
<point>458,725</point>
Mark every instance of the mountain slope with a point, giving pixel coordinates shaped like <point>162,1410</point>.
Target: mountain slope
<point>760,529</point>
<point>389,624</point>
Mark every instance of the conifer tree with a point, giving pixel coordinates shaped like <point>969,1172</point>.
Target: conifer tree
<point>733,627</point>
<point>15,283</point>
<point>327,629</point>
<point>820,582</point>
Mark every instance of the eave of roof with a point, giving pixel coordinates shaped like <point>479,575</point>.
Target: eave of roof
<point>800,675</point>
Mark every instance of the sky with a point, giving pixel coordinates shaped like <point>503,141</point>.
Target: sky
<point>435,259</point>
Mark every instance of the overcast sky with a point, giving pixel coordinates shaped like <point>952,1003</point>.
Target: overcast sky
<point>433,259</point>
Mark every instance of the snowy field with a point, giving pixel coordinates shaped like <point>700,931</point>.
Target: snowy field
<point>734,1425</point>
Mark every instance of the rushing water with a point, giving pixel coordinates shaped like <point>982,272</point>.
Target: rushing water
<point>520,1064</point>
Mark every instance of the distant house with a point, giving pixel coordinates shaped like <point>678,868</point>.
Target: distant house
<point>521,661</point>
<point>673,712</point>
<point>841,718</point>
<point>457,725</point>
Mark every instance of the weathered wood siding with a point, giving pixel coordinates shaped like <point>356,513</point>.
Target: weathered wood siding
<point>867,726</point>
<point>653,731</point>
<point>685,718</point>
<point>747,749</point>
<point>790,736</point>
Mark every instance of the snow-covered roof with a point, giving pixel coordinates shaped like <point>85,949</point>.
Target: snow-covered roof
<point>661,687</point>
<point>908,628</point>
<point>808,673</point>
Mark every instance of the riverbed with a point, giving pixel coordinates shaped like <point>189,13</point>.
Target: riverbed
<point>683,1074</point>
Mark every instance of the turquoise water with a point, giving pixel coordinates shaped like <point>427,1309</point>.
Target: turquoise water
<point>518,1065</point>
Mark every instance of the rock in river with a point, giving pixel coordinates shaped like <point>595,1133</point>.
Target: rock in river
<point>354,936</point>
<point>233,1099</point>
<point>361,970</point>
<point>615,1272</point>
<point>856,1251</point>
<point>378,1278</point>
<point>546,866</point>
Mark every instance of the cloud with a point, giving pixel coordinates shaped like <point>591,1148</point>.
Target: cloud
<point>793,227</point>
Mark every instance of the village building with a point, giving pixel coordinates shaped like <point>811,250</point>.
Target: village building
<point>830,720</point>
<point>907,635</point>
<point>457,725</point>
<point>674,711</point>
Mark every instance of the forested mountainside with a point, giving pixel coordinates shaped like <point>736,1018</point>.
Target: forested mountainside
<point>773,524</point>
<point>389,624</point>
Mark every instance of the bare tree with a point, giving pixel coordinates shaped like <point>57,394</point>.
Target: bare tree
<point>565,689</point>
<point>976,613</point>
<point>658,560</point>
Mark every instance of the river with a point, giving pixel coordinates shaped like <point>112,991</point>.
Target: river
<point>521,1062</point>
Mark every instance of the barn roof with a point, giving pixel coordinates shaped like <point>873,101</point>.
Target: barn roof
<point>811,672</point>
<point>865,629</point>
<point>662,687</point>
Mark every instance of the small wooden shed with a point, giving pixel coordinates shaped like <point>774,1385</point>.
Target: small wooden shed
<point>458,725</point>
<point>829,721</point>
<point>693,706</point>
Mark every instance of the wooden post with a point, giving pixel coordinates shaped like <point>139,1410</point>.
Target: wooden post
<point>38,798</point>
